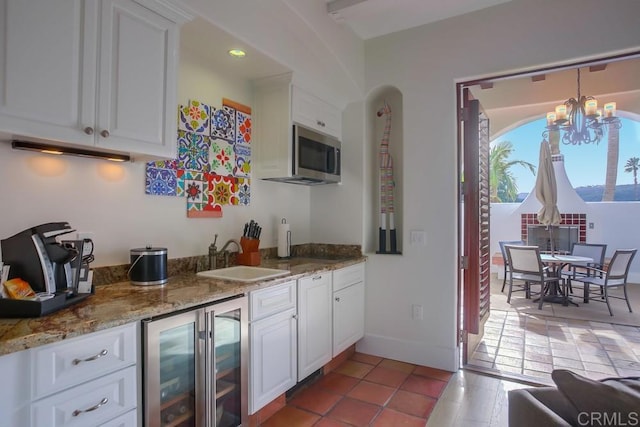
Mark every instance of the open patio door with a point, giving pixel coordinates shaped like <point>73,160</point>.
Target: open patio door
<point>475,258</point>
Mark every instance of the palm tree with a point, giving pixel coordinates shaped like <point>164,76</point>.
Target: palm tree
<point>501,181</point>
<point>632,165</point>
<point>613,150</point>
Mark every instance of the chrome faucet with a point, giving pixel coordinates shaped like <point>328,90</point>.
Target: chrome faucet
<point>226,252</point>
<point>213,252</point>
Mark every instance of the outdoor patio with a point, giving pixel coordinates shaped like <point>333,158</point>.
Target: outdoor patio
<point>525,343</point>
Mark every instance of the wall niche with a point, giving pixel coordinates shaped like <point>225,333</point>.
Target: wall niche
<point>384,199</point>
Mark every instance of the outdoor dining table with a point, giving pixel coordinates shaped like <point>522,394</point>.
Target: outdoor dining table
<point>557,262</point>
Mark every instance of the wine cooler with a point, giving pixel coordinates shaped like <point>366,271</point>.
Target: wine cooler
<point>195,367</point>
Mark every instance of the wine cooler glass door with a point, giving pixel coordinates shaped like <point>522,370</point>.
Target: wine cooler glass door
<point>228,407</point>
<point>171,371</point>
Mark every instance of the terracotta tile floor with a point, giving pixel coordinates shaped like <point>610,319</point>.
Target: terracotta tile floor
<point>365,391</point>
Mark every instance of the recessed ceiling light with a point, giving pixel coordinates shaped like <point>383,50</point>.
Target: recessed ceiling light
<point>237,53</point>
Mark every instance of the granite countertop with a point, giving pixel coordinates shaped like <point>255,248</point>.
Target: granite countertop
<point>120,303</point>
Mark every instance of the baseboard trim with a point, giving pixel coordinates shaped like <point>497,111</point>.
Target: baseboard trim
<point>416,352</point>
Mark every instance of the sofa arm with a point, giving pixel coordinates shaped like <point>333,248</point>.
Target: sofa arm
<point>535,407</point>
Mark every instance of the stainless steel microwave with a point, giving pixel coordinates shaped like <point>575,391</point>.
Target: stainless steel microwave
<point>315,158</point>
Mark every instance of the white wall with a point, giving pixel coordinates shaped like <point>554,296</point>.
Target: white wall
<point>337,210</point>
<point>108,199</point>
<point>326,57</point>
<point>424,64</point>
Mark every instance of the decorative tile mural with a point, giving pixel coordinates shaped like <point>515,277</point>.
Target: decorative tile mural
<point>223,123</point>
<point>212,167</point>
<point>195,118</point>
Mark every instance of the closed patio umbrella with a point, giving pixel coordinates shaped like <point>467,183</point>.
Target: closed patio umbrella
<point>547,191</point>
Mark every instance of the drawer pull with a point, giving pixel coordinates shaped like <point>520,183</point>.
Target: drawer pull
<point>89,359</point>
<point>93,408</point>
<point>317,278</point>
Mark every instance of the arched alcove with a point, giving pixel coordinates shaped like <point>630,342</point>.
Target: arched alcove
<point>375,127</point>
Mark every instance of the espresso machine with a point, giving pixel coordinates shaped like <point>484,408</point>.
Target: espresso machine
<point>40,256</point>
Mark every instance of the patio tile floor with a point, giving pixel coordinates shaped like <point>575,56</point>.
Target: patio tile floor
<point>530,347</point>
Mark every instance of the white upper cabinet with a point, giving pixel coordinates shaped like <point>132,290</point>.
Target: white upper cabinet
<point>313,112</point>
<point>42,63</point>
<point>278,104</point>
<point>138,79</point>
<point>91,73</point>
<point>272,133</point>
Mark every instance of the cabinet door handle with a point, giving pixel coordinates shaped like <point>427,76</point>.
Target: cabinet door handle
<point>88,130</point>
<point>317,278</point>
<point>320,123</point>
<point>93,408</point>
<point>104,133</point>
<point>337,299</point>
<point>89,359</point>
<point>295,316</point>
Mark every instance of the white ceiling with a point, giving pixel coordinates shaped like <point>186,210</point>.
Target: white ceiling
<point>373,18</point>
<point>212,45</point>
<point>509,101</point>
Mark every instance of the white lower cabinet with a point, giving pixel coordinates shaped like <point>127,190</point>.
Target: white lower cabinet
<point>89,380</point>
<point>348,307</point>
<point>314,323</point>
<point>89,404</point>
<point>15,393</point>
<point>130,419</point>
<point>273,343</point>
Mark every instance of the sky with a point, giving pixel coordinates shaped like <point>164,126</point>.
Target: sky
<point>585,164</point>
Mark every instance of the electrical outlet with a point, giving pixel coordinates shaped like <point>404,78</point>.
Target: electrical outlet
<point>80,235</point>
<point>417,312</point>
<point>418,237</point>
<point>84,235</point>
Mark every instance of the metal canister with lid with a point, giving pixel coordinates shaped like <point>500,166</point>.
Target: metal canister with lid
<point>148,266</point>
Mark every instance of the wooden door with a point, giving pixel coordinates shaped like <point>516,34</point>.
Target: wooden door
<point>474,247</point>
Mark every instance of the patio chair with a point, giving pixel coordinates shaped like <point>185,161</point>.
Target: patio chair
<point>526,266</point>
<point>596,251</point>
<point>614,277</point>
<point>505,262</point>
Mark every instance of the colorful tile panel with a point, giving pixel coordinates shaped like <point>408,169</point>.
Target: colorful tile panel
<point>212,167</point>
<point>223,123</point>
<point>160,182</point>
<point>244,191</point>
<point>242,166</point>
<point>195,117</point>
<point>243,128</point>
<point>193,151</point>
<point>222,157</point>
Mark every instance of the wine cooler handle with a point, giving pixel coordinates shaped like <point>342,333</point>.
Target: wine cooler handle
<point>89,359</point>
<point>93,408</point>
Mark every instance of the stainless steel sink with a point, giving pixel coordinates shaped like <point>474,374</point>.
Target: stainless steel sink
<point>244,273</point>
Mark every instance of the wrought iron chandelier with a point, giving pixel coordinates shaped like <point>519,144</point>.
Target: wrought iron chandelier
<point>580,120</point>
